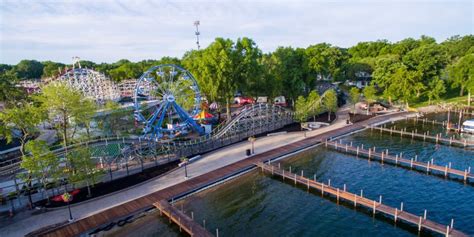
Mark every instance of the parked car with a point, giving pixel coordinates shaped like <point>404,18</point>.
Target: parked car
<point>280,100</point>
<point>243,100</point>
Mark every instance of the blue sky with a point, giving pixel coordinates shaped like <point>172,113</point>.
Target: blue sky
<point>106,30</point>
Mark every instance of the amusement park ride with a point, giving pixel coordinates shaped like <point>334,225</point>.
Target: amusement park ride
<point>178,101</point>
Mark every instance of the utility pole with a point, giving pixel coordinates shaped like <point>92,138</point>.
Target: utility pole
<point>196,23</point>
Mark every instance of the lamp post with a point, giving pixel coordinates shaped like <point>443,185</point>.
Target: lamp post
<point>68,198</point>
<point>252,140</point>
<point>185,161</point>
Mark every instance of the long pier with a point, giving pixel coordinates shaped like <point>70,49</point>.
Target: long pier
<point>398,214</point>
<point>183,221</point>
<point>438,139</point>
<point>412,163</point>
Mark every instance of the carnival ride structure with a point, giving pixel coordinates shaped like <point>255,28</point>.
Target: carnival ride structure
<point>92,84</point>
<point>178,100</point>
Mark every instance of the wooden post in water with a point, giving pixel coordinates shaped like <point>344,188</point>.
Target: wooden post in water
<point>295,179</point>
<point>217,232</point>
<point>373,209</point>
<point>447,123</point>
<point>337,195</point>
<point>411,163</point>
<point>424,214</point>
<point>446,171</point>
<point>396,214</point>
<point>357,151</point>
<point>419,224</point>
<point>428,167</point>
<point>380,199</point>
<point>329,182</point>
<point>344,187</point>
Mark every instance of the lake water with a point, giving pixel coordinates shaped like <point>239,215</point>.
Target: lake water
<point>259,205</point>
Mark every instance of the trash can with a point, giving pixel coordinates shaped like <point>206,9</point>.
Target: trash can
<point>248,152</point>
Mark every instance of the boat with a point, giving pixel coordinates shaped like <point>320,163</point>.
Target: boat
<point>468,126</point>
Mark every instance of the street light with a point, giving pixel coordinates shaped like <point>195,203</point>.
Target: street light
<point>185,161</point>
<point>252,140</point>
<point>68,198</point>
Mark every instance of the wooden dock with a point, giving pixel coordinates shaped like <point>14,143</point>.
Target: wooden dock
<point>183,221</point>
<point>412,163</point>
<point>138,205</point>
<point>438,139</point>
<point>427,121</point>
<point>359,200</point>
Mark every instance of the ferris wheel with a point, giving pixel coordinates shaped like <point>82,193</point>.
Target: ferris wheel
<point>167,98</point>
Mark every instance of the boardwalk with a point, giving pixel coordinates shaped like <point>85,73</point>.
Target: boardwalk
<point>426,137</point>
<point>384,156</point>
<point>397,214</point>
<point>143,203</point>
<point>183,221</point>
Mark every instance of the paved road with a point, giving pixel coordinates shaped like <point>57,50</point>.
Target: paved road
<point>22,225</point>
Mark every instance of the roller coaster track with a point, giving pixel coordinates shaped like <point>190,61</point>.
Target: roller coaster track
<point>251,120</point>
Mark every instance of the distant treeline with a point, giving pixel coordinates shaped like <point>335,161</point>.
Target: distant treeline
<point>407,70</point>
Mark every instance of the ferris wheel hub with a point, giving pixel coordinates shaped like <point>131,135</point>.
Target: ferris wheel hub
<point>170,98</point>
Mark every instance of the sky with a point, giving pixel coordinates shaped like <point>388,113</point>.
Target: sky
<point>109,30</point>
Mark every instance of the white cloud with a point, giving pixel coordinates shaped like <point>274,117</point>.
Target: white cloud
<point>105,30</point>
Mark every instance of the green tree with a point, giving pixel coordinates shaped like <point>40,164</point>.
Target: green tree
<point>248,69</point>
<point>64,105</point>
<point>40,163</point>
<point>85,169</point>
<point>370,49</point>
<point>290,72</point>
<point>9,93</point>
<point>370,95</point>
<point>330,102</point>
<point>354,95</point>
<point>127,70</point>
<point>84,116</point>
<point>436,89</point>
<point>314,104</point>
<point>215,70</point>
<point>406,84</point>
<point>458,46</point>
<point>325,60</point>
<point>28,69</point>
<point>428,59</point>
<point>301,109</point>
<point>461,73</point>
<point>24,117</point>
<point>385,67</point>
<point>51,69</point>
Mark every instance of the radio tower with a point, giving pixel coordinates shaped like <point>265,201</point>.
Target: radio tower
<point>196,23</point>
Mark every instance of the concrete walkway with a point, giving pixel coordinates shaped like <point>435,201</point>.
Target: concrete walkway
<point>208,163</point>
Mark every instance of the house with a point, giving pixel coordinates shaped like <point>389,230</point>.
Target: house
<point>362,80</point>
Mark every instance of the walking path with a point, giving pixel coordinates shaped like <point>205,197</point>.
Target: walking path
<point>209,162</point>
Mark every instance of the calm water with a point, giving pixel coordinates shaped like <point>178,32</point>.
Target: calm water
<point>259,205</point>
